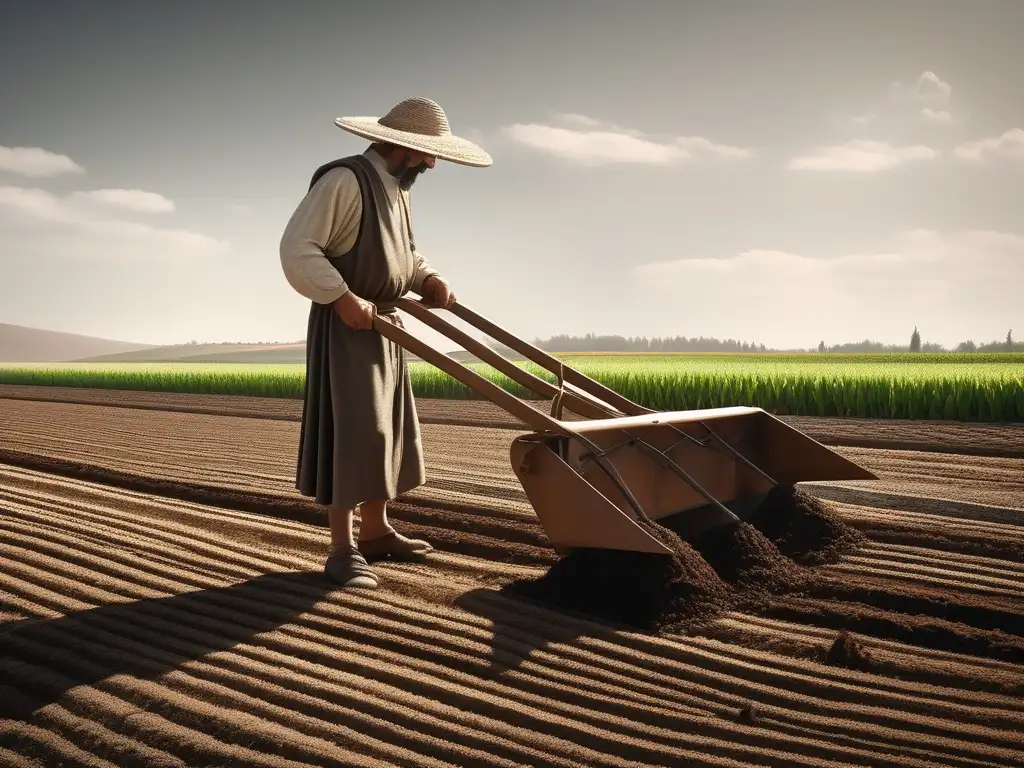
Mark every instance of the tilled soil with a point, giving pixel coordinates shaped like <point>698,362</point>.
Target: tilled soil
<point>161,632</point>
<point>466,466</point>
<point>185,622</point>
<point>962,439</point>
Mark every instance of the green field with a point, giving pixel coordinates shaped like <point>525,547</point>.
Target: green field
<point>968,387</point>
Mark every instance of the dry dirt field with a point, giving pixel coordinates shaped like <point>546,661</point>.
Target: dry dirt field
<point>162,604</point>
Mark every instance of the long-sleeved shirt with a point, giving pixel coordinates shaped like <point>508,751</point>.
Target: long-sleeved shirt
<point>327,221</point>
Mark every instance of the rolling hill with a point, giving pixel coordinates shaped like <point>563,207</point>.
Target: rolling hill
<point>21,344</point>
<point>208,353</point>
<point>251,354</point>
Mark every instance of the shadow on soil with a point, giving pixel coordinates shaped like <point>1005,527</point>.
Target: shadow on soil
<point>41,659</point>
<point>522,625</point>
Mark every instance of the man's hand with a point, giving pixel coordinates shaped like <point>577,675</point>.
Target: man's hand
<point>355,312</point>
<point>436,293</point>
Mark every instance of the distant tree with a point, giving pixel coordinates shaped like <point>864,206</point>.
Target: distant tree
<point>967,346</point>
<point>821,346</point>
<point>915,341</point>
<point>1009,340</point>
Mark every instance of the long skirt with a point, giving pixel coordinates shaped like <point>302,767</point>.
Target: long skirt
<point>360,437</point>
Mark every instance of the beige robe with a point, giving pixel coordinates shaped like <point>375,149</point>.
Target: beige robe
<point>359,439</point>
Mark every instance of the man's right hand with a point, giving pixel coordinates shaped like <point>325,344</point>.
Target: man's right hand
<point>355,312</point>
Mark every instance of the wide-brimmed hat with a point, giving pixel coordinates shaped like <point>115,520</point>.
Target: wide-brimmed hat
<point>419,124</point>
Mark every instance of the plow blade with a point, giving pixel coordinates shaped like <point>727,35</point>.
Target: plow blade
<point>703,468</point>
<point>601,481</point>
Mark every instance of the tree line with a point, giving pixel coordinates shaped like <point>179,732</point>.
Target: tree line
<point>564,343</point>
<point>917,345</point>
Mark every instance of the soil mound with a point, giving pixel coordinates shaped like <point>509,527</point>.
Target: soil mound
<point>803,527</point>
<point>743,556</point>
<point>646,591</point>
<point>847,651</point>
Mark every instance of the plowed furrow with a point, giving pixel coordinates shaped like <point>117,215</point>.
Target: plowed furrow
<point>887,658</point>
<point>406,683</point>
<point>285,714</point>
<point>50,643</point>
<point>337,698</point>
<point>46,747</point>
<point>221,554</point>
<point>322,635</point>
<point>194,732</point>
<point>972,609</point>
<point>938,634</point>
<point>139,625</point>
<point>73,560</point>
<point>959,564</point>
<point>12,759</point>
<point>971,584</point>
<point>981,439</point>
<point>924,631</point>
<point>887,624</point>
<point>443,538</point>
<point>96,739</point>
<point>986,480</point>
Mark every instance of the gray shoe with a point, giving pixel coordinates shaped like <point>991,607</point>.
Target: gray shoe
<point>348,567</point>
<point>394,546</point>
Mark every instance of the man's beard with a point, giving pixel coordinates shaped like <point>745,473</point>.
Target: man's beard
<point>407,174</point>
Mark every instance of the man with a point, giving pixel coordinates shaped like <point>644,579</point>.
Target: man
<point>349,248</point>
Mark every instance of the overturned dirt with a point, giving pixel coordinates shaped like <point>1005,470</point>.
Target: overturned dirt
<point>847,651</point>
<point>803,526</point>
<point>638,589</point>
<point>743,556</point>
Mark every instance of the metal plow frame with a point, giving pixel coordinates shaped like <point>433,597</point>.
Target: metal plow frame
<point>592,482</point>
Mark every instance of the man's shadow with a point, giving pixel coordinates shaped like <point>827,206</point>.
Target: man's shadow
<point>521,623</point>
<point>41,659</point>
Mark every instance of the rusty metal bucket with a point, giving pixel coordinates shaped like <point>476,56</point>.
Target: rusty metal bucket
<point>594,482</point>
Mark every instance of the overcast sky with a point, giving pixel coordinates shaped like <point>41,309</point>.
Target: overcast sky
<point>775,171</point>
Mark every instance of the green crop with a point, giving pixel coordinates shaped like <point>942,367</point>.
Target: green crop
<point>970,387</point>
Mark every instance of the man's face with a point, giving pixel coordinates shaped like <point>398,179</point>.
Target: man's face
<point>408,164</point>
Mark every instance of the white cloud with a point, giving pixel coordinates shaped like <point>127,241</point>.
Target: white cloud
<point>929,96</point>
<point>1009,144</point>
<point>36,163</point>
<point>931,116</point>
<point>954,285</point>
<point>861,156</point>
<point>586,141</point>
<point>34,221</point>
<point>929,89</point>
<point>700,144</point>
<point>583,120</point>
<point>129,199</point>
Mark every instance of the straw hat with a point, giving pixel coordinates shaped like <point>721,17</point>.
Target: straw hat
<point>419,124</point>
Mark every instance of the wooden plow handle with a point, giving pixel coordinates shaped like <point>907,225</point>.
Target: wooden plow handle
<point>577,391</point>
<point>552,364</point>
<point>537,420</point>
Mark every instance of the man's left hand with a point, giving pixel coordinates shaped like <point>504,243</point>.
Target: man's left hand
<point>436,293</point>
